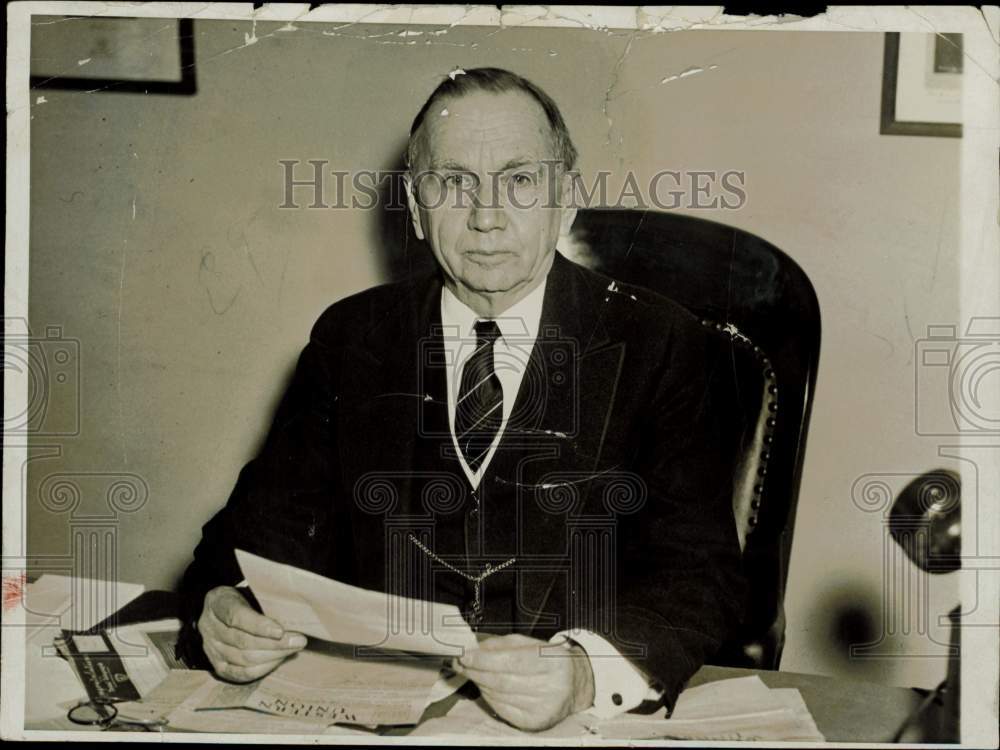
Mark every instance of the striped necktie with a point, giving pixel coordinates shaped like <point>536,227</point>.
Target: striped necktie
<point>479,409</point>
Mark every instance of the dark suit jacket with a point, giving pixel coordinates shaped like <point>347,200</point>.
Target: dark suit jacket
<point>611,486</point>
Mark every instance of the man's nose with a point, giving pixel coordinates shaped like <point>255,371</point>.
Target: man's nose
<point>487,212</point>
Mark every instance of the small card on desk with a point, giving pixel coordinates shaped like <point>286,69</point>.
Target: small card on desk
<point>98,666</point>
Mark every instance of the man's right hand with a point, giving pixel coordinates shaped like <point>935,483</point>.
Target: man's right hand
<point>242,644</point>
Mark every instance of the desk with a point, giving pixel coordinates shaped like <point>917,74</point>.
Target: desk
<point>844,710</point>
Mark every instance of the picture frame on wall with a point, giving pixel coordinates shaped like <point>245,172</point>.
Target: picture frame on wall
<point>110,54</point>
<point>922,85</point>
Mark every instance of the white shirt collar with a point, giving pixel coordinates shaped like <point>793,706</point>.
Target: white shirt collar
<point>518,324</point>
<point>518,330</point>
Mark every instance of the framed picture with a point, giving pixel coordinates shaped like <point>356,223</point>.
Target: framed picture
<point>922,85</point>
<point>134,55</point>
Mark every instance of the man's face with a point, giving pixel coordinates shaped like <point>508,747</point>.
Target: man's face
<point>487,192</point>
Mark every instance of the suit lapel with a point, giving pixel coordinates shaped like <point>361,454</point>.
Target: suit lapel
<point>562,406</point>
<point>398,375</point>
<point>554,441</point>
<point>397,378</point>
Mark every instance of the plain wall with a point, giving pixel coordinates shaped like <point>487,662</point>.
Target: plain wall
<point>158,244</point>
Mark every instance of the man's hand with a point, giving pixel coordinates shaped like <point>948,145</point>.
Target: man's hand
<point>530,687</point>
<point>242,644</point>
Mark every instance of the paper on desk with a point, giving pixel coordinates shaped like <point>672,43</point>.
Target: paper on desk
<point>474,718</point>
<point>792,699</point>
<point>326,684</point>
<point>723,698</point>
<point>445,686</point>
<point>739,709</point>
<point>308,603</point>
<point>49,682</point>
<point>241,720</point>
<point>162,700</point>
<point>54,603</point>
<point>147,651</point>
<point>118,664</point>
<point>66,603</point>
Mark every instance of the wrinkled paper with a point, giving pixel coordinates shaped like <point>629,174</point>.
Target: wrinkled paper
<point>743,708</point>
<point>309,603</point>
<point>327,683</point>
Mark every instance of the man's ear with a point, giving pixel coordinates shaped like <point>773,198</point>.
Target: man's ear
<point>413,205</point>
<point>568,203</point>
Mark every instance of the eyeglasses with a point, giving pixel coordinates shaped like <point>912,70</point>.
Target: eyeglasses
<point>104,714</point>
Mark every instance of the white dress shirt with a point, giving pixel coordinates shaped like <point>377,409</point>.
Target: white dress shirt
<point>618,685</point>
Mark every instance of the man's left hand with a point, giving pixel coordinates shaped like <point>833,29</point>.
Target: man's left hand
<point>530,683</point>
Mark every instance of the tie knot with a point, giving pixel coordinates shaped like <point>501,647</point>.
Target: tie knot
<point>487,332</point>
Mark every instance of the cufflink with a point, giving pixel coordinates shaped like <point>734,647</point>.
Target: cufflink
<point>616,698</point>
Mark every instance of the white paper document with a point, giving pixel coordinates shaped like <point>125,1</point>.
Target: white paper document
<point>240,720</point>
<point>67,603</point>
<point>738,709</point>
<point>333,611</point>
<point>54,603</point>
<point>162,700</point>
<point>326,684</point>
<point>743,708</point>
<point>474,719</point>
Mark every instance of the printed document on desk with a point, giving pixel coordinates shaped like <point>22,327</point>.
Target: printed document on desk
<point>308,603</point>
<point>738,709</point>
<point>188,717</point>
<point>326,684</point>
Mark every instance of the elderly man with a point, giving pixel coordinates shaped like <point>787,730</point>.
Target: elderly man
<point>514,434</point>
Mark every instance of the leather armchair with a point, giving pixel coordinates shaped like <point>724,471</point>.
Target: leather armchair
<point>763,312</point>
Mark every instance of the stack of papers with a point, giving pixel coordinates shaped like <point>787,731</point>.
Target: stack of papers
<point>52,604</point>
<point>372,660</point>
<point>468,718</point>
<point>739,709</point>
<point>164,699</point>
<point>326,684</point>
<point>76,604</point>
<point>177,699</point>
<point>743,708</point>
<point>192,700</point>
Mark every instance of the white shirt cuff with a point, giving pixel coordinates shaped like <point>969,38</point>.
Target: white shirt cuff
<point>618,685</point>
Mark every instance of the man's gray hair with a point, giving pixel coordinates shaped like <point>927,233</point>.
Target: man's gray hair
<point>497,81</point>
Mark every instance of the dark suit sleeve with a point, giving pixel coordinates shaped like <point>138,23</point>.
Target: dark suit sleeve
<point>680,580</point>
<point>282,506</point>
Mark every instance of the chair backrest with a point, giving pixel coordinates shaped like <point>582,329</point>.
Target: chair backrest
<point>764,313</point>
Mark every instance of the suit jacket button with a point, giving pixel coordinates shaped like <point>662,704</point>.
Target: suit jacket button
<point>616,698</point>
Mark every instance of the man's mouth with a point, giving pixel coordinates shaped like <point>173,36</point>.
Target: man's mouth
<point>487,254</point>
<point>488,258</point>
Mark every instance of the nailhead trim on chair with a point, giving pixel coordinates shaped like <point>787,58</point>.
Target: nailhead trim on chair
<point>772,407</point>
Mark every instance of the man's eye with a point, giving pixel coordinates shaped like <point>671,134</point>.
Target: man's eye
<point>523,179</point>
<point>456,179</point>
